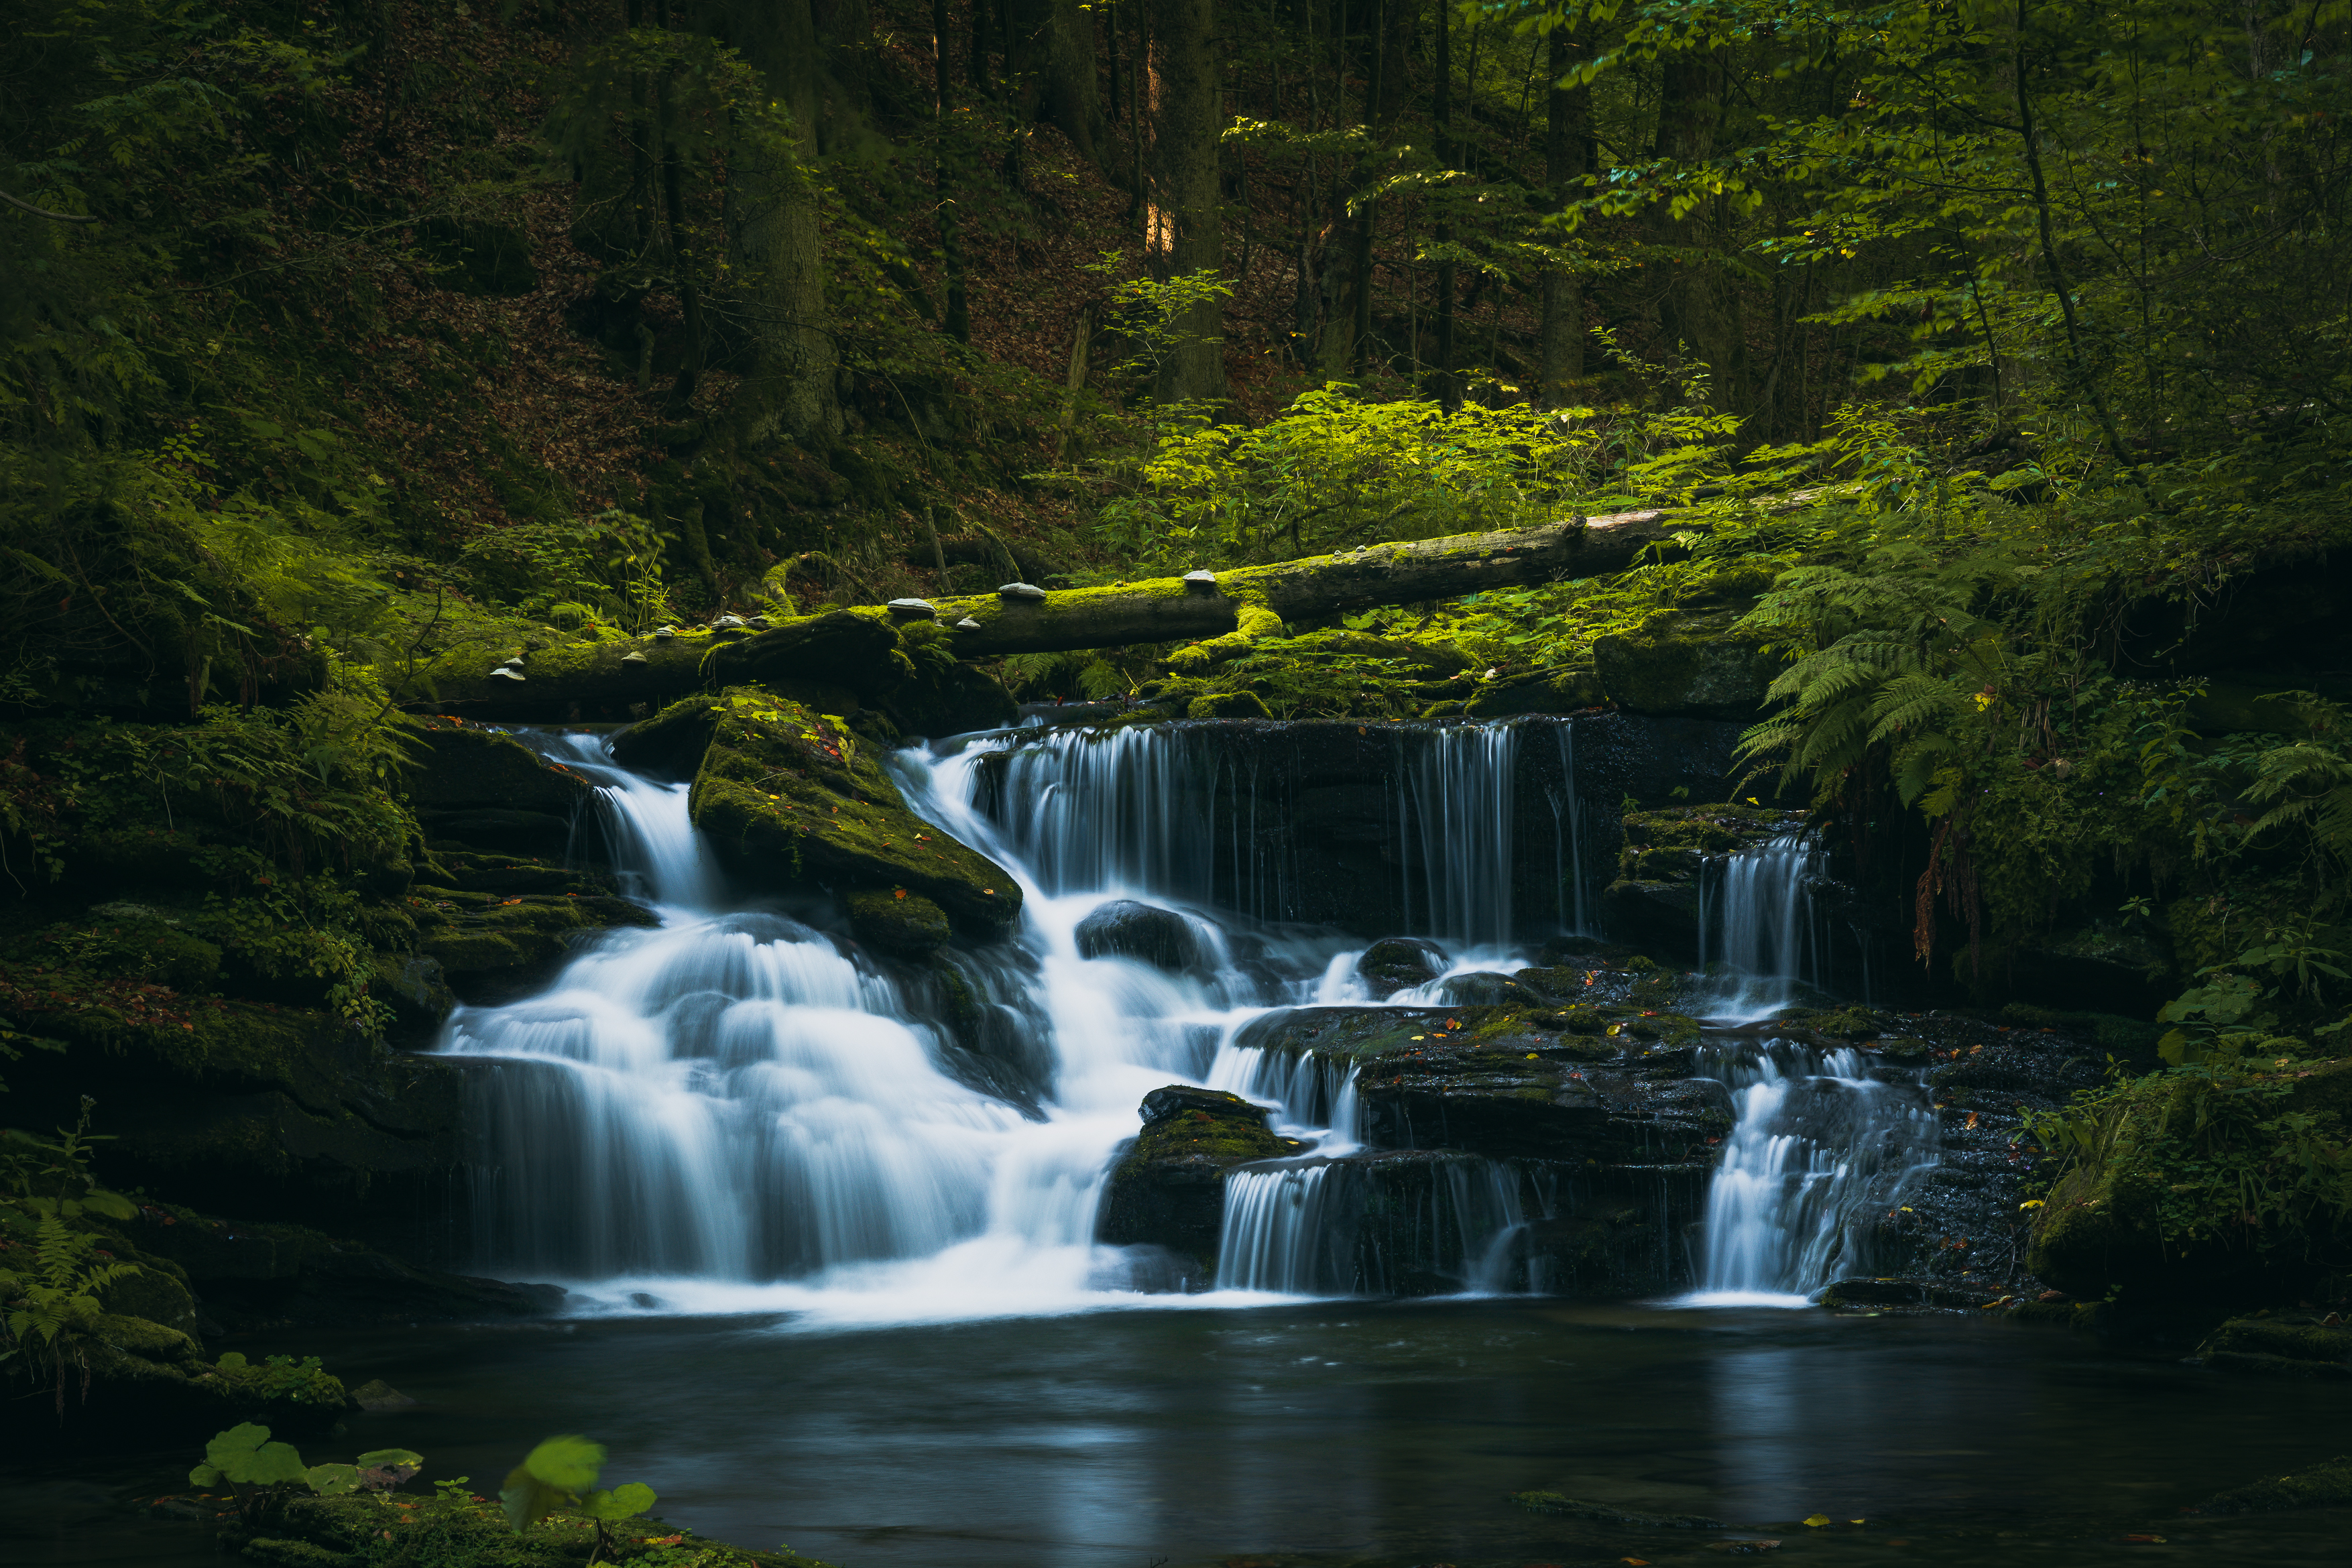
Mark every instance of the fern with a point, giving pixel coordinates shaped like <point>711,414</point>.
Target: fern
<point>52,1309</point>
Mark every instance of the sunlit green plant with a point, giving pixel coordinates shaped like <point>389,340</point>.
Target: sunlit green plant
<point>559,1477</point>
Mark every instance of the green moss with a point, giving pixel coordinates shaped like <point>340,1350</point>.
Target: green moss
<point>897,920</point>
<point>1229,1137</point>
<point>2327,1485</point>
<point>793,795</point>
<point>1228,704</point>
<point>463,1531</point>
<point>1687,666</point>
<point>2296,1341</point>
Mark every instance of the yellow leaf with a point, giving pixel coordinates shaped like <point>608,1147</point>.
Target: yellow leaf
<point>1817,1520</point>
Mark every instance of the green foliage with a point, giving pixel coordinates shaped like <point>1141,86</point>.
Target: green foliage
<point>263,1474</point>
<point>303,1381</point>
<point>1337,470</point>
<point>559,1477</point>
<point>2219,1151</point>
<point>50,1309</point>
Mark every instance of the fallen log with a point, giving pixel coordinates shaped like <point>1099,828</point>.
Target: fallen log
<point>1218,616</point>
<point>1254,602</point>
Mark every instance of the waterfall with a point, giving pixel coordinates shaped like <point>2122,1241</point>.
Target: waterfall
<point>1378,1226</point>
<point>1756,920</point>
<point>1456,809</point>
<point>1819,1150</point>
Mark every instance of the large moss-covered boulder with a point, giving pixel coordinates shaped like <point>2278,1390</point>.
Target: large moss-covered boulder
<point>1168,1189</point>
<point>899,922</point>
<point>1687,666</point>
<point>787,797</point>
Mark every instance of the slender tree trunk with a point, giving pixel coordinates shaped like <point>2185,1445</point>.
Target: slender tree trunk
<point>1183,229</point>
<point>1441,110</point>
<point>1059,49</point>
<point>1699,305</point>
<point>1566,110</point>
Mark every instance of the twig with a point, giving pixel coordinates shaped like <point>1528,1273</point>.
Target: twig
<point>45,213</point>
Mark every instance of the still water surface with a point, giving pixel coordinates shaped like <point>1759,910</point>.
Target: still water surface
<point>1350,1432</point>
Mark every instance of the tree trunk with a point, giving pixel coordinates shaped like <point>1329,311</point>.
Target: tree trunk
<point>1183,232</point>
<point>1562,337</point>
<point>1700,305</point>
<point>1057,44</point>
<point>1441,110</point>
<point>775,232</point>
<point>959,307</point>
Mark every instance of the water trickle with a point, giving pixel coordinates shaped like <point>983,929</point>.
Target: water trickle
<point>1821,1148</point>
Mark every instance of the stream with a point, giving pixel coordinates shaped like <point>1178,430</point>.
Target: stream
<point>834,1280</point>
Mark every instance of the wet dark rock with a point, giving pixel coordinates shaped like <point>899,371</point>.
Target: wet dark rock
<point>1508,1084</point>
<point>788,800</point>
<point>478,789</point>
<point>669,745</point>
<point>1127,929</point>
<point>1893,1292</point>
<point>1167,1187</point>
<point>837,649</point>
<point>1396,962</point>
<point>1654,900</point>
<point>493,949</point>
<point>950,699</point>
<point>1485,988</point>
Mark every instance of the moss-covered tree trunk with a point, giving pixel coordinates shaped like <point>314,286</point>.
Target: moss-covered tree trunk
<point>1182,230</point>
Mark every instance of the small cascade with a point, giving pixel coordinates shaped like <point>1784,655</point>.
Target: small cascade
<point>1756,922</point>
<point>1378,1225</point>
<point>1313,1098</point>
<point>1819,1150</point>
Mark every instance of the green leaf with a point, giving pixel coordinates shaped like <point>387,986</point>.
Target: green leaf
<point>228,1447</point>
<point>204,1476</point>
<point>112,1205</point>
<point>528,1500</point>
<point>266,1466</point>
<point>384,1458</point>
<point>620,1503</point>
<point>332,1481</point>
<point>567,1463</point>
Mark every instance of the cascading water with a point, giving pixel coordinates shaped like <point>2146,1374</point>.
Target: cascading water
<point>1756,924</point>
<point>1820,1147</point>
<point>736,1109</point>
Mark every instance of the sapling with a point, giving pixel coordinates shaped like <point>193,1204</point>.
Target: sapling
<point>559,1477</point>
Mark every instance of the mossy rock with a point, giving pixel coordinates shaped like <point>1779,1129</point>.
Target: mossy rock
<point>670,744</point>
<point>2326,1485</point>
<point>786,795</point>
<point>1686,666</point>
<point>899,922</point>
<point>2303,1345</point>
<point>1538,691</point>
<point>1166,1189</point>
<point>1228,704</point>
<point>154,943</point>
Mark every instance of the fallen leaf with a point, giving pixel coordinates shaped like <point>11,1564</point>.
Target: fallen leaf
<point>1815,1520</point>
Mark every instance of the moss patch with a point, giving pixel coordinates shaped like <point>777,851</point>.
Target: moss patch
<point>789,795</point>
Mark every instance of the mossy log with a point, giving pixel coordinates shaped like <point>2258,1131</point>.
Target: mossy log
<point>1254,602</point>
